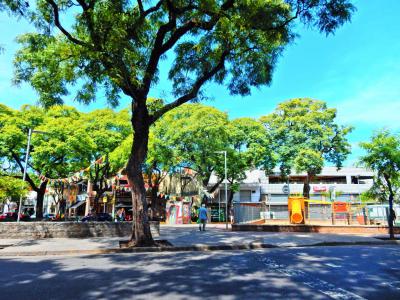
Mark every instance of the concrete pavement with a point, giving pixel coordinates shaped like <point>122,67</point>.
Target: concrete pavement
<point>185,238</point>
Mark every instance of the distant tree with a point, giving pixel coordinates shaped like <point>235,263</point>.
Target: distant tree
<point>383,157</point>
<point>195,133</point>
<point>107,130</point>
<point>249,148</point>
<point>71,141</point>
<point>118,46</point>
<point>304,135</point>
<point>11,188</point>
<point>62,149</point>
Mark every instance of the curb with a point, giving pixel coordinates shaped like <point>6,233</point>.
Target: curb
<point>205,248</point>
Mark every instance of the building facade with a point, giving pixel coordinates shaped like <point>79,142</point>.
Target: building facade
<point>346,184</point>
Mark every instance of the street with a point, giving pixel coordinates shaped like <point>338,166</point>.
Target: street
<point>347,272</point>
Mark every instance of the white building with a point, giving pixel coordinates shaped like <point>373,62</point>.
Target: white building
<point>346,184</point>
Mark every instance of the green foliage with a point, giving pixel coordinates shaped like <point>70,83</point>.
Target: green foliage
<point>117,46</point>
<point>308,160</point>
<point>304,135</point>
<point>70,141</point>
<point>249,148</point>
<point>12,188</point>
<point>383,157</point>
<point>194,134</point>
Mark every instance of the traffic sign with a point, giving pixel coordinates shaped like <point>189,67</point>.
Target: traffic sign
<point>285,189</point>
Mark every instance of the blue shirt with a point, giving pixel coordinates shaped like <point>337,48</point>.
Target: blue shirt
<point>203,213</point>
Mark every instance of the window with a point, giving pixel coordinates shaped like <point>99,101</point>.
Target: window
<point>245,196</point>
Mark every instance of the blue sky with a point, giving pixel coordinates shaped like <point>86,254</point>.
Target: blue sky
<point>356,71</point>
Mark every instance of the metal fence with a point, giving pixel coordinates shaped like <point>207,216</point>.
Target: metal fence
<point>247,212</point>
<point>372,214</point>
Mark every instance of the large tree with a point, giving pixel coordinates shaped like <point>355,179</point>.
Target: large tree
<point>305,135</point>
<point>70,141</point>
<point>250,147</point>
<point>383,157</point>
<point>65,146</point>
<point>107,130</point>
<point>195,133</point>
<point>11,188</point>
<point>118,45</point>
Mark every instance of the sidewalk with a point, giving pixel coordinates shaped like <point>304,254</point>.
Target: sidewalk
<point>185,238</point>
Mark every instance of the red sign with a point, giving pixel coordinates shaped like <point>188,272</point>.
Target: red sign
<point>340,207</point>
<point>319,188</point>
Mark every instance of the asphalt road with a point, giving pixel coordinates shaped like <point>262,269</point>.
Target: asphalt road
<point>356,272</point>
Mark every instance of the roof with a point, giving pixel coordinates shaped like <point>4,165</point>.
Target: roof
<point>333,171</point>
<point>257,176</point>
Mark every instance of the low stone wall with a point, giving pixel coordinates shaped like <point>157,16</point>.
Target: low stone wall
<point>315,228</point>
<point>38,230</point>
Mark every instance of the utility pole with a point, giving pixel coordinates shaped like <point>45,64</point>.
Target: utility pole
<point>226,186</point>
<point>25,167</point>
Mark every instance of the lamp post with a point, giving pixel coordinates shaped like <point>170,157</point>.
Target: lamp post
<point>358,188</point>
<point>30,131</point>
<point>226,187</point>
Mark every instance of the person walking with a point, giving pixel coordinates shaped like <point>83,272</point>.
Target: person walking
<point>203,217</point>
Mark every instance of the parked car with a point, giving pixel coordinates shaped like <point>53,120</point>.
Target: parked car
<point>49,217</point>
<point>100,217</point>
<point>13,216</point>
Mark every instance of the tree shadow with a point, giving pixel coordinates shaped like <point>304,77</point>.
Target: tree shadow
<point>143,276</point>
<point>205,275</point>
<point>180,236</point>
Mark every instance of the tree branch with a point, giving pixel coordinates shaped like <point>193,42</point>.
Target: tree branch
<point>195,88</point>
<point>150,10</point>
<point>27,177</point>
<point>156,53</point>
<point>161,48</point>
<point>61,28</point>
<point>83,4</point>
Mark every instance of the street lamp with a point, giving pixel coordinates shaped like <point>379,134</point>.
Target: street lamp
<point>358,188</point>
<point>26,164</point>
<point>226,187</point>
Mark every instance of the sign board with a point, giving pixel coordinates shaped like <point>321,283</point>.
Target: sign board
<point>285,189</point>
<point>319,188</point>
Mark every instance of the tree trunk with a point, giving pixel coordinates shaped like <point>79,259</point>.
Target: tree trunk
<point>141,235</point>
<point>39,200</point>
<point>391,216</point>
<point>391,211</point>
<point>306,187</point>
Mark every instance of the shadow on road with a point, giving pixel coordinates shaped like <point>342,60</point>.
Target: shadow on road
<point>230,275</point>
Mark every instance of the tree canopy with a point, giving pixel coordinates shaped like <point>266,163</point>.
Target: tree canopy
<point>305,135</point>
<point>383,157</point>
<point>118,45</point>
<point>68,141</point>
<point>11,188</point>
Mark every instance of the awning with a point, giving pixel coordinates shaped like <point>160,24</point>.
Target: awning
<point>76,205</point>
